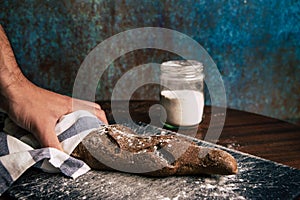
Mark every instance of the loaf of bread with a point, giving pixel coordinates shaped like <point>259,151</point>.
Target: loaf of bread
<point>116,147</point>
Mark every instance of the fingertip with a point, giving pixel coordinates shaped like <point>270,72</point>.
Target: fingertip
<point>49,139</point>
<point>97,106</point>
<point>105,121</point>
<point>53,145</point>
<point>59,148</point>
<point>101,115</point>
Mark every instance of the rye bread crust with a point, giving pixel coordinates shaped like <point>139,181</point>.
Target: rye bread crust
<point>118,148</point>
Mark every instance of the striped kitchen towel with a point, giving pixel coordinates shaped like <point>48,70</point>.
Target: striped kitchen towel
<point>19,150</point>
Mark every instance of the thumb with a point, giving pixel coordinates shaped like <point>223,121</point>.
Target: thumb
<point>48,138</point>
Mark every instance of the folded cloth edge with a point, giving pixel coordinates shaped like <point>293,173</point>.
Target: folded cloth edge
<point>71,129</point>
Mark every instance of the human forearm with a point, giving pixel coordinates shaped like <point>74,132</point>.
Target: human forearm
<point>31,107</point>
<point>10,73</point>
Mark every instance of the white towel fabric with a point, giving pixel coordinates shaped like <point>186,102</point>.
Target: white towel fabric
<point>19,150</point>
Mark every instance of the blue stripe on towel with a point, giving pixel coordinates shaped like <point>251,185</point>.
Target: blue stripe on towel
<point>70,166</point>
<point>39,154</point>
<point>3,144</point>
<point>80,125</point>
<point>5,179</point>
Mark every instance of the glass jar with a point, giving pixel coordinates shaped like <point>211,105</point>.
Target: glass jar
<point>181,93</point>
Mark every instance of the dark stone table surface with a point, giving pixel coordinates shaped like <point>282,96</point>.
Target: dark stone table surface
<point>275,175</point>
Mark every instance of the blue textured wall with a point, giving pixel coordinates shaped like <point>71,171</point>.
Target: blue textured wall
<point>255,43</point>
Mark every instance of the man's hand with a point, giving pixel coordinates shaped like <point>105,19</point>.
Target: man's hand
<point>33,108</point>
<point>38,110</point>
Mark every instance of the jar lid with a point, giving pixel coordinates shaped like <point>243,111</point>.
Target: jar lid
<point>188,69</point>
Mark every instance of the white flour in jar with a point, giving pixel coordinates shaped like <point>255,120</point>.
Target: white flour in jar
<point>183,107</point>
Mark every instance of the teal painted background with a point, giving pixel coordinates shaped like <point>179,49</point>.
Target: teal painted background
<point>255,44</point>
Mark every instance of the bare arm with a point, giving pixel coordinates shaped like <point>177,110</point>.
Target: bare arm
<point>33,108</point>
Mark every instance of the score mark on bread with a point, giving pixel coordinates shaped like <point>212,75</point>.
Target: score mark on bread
<point>118,148</point>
